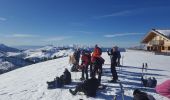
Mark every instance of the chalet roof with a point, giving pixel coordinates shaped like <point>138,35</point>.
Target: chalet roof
<point>166,33</point>
<point>153,32</point>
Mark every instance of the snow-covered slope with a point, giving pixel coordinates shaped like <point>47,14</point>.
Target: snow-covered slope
<point>29,83</point>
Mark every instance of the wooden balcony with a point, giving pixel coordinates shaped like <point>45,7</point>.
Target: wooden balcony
<point>157,42</point>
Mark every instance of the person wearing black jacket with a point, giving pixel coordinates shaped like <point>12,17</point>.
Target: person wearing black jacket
<point>66,77</point>
<point>77,55</point>
<point>89,87</point>
<point>114,57</point>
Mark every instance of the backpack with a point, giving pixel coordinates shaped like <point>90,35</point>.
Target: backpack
<point>74,68</point>
<point>149,82</point>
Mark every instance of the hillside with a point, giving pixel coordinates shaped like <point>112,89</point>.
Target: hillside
<point>29,83</point>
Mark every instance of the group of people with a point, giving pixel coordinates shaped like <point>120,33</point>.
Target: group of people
<point>95,61</point>
<point>90,85</point>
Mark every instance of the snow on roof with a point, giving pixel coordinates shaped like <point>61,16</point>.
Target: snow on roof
<point>164,32</point>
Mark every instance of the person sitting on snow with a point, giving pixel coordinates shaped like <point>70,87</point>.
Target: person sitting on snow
<point>56,83</point>
<point>164,89</point>
<point>66,77</point>
<point>89,87</point>
<point>138,95</point>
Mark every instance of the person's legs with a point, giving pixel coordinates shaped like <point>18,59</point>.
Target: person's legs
<point>91,70</point>
<point>79,88</point>
<point>82,75</point>
<point>86,71</point>
<point>111,67</point>
<point>78,61</point>
<point>118,62</point>
<point>100,73</point>
<point>114,73</point>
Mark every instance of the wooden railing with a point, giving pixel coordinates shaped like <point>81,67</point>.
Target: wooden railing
<point>156,42</point>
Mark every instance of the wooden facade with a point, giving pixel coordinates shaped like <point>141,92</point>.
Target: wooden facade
<point>156,41</point>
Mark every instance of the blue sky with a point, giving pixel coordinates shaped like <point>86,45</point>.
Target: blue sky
<point>87,22</point>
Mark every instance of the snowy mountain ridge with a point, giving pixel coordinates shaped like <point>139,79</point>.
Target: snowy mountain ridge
<point>4,48</point>
<point>11,60</point>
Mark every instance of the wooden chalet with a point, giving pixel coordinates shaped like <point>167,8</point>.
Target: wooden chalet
<point>157,40</point>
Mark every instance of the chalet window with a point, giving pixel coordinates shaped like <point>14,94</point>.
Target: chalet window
<point>163,48</point>
<point>168,48</point>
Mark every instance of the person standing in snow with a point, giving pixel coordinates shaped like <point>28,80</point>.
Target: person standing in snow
<point>77,55</point>
<point>97,62</point>
<point>164,89</point>
<point>114,57</point>
<point>85,58</point>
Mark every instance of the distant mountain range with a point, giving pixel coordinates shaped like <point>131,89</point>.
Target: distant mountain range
<point>12,58</point>
<point>4,48</point>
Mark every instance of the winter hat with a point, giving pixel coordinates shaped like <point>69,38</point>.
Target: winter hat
<point>136,91</point>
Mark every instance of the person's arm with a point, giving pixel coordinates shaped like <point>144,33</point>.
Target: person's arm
<point>109,53</point>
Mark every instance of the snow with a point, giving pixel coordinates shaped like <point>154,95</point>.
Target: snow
<point>46,52</point>
<point>1,54</point>
<point>29,83</point>
<point>62,53</point>
<point>27,57</point>
<point>5,65</point>
<point>165,32</point>
<point>9,54</point>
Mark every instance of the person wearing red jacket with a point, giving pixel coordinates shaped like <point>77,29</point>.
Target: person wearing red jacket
<point>96,63</point>
<point>164,89</point>
<point>85,58</point>
<point>96,53</point>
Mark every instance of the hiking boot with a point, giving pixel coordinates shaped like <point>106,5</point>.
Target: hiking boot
<point>72,92</point>
<point>82,78</point>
